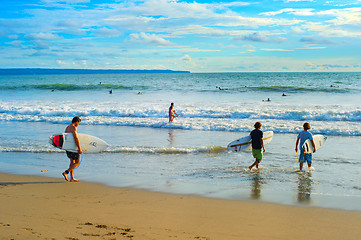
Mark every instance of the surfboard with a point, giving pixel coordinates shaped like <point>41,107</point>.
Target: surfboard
<point>244,143</point>
<point>319,140</point>
<point>88,143</point>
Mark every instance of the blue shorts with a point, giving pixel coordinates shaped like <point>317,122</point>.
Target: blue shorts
<point>307,157</point>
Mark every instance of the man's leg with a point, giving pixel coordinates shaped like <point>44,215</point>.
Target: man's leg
<point>73,165</point>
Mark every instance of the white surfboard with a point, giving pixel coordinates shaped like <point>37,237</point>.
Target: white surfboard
<point>319,140</point>
<point>88,143</point>
<point>244,143</point>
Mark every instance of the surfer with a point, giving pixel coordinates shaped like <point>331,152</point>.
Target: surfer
<point>74,157</point>
<point>257,145</point>
<point>172,113</point>
<point>301,138</point>
<point>221,88</point>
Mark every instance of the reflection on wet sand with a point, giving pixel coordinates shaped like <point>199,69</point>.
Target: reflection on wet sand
<point>304,187</point>
<point>256,185</point>
<point>171,137</point>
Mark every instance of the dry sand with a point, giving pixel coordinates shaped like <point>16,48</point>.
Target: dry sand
<point>34,207</point>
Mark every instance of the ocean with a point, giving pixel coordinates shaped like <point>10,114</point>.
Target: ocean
<point>189,155</point>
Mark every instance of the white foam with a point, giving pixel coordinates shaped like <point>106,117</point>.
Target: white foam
<point>280,118</point>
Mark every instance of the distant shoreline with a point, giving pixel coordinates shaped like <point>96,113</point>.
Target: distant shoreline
<point>44,71</point>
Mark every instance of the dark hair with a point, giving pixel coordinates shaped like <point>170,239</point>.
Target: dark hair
<point>76,119</point>
<point>257,125</point>
<point>306,126</point>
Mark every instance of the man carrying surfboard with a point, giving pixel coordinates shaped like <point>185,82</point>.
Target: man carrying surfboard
<point>74,157</point>
<point>301,138</point>
<point>257,145</point>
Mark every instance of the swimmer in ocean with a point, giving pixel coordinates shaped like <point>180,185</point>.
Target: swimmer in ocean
<point>172,113</point>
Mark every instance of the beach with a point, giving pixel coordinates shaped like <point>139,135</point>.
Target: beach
<point>189,156</point>
<point>34,207</point>
<point>165,95</point>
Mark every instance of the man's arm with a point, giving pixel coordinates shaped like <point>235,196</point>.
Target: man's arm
<point>313,145</point>
<point>76,139</point>
<point>298,140</point>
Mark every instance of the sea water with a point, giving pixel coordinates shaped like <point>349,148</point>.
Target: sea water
<point>189,156</point>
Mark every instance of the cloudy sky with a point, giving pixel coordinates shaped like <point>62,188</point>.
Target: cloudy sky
<point>193,35</point>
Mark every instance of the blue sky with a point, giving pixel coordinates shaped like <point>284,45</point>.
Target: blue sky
<point>198,36</point>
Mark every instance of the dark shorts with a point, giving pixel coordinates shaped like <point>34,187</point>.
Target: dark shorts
<point>72,155</point>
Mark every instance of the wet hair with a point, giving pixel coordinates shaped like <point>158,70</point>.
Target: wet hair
<point>306,126</point>
<point>76,119</point>
<point>257,125</point>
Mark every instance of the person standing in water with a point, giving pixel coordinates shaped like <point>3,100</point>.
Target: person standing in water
<point>172,113</point>
<point>257,145</point>
<point>301,139</point>
<point>74,157</point>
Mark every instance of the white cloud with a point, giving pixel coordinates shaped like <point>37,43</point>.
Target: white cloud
<point>41,36</point>
<point>188,60</point>
<point>107,32</point>
<point>259,37</point>
<point>297,29</point>
<point>310,48</point>
<point>16,44</point>
<point>252,22</point>
<point>170,8</point>
<point>13,36</point>
<point>276,50</point>
<point>65,1</point>
<point>287,1</point>
<point>294,11</point>
<point>235,4</point>
<point>348,16</point>
<point>148,38</point>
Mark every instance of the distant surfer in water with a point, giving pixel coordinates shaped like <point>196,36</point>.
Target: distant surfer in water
<point>74,157</point>
<point>221,88</point>
<point>301,138</point>
<point>257,145</point>
<point>172,113</point>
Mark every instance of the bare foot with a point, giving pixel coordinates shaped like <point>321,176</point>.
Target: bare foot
<point>65,176</point>
<point>74,180</point>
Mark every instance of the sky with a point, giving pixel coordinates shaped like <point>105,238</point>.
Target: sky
<point>194,35</point>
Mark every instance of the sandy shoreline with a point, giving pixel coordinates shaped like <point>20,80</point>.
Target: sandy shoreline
<point>35,207</point>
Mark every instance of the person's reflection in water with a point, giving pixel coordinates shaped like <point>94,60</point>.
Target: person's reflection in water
<point>304,187</point>
<point>256,185</point>
<point>171,137</point>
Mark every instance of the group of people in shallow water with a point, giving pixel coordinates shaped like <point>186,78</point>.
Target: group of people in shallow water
<point>257,142</point>
<point>256,135</point>
<point>258,147</point>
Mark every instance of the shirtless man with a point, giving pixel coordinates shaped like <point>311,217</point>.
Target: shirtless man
<point>74,157</point>
<point>172,112</point>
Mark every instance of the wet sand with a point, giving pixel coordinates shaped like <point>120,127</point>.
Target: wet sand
<point>34,207</point>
